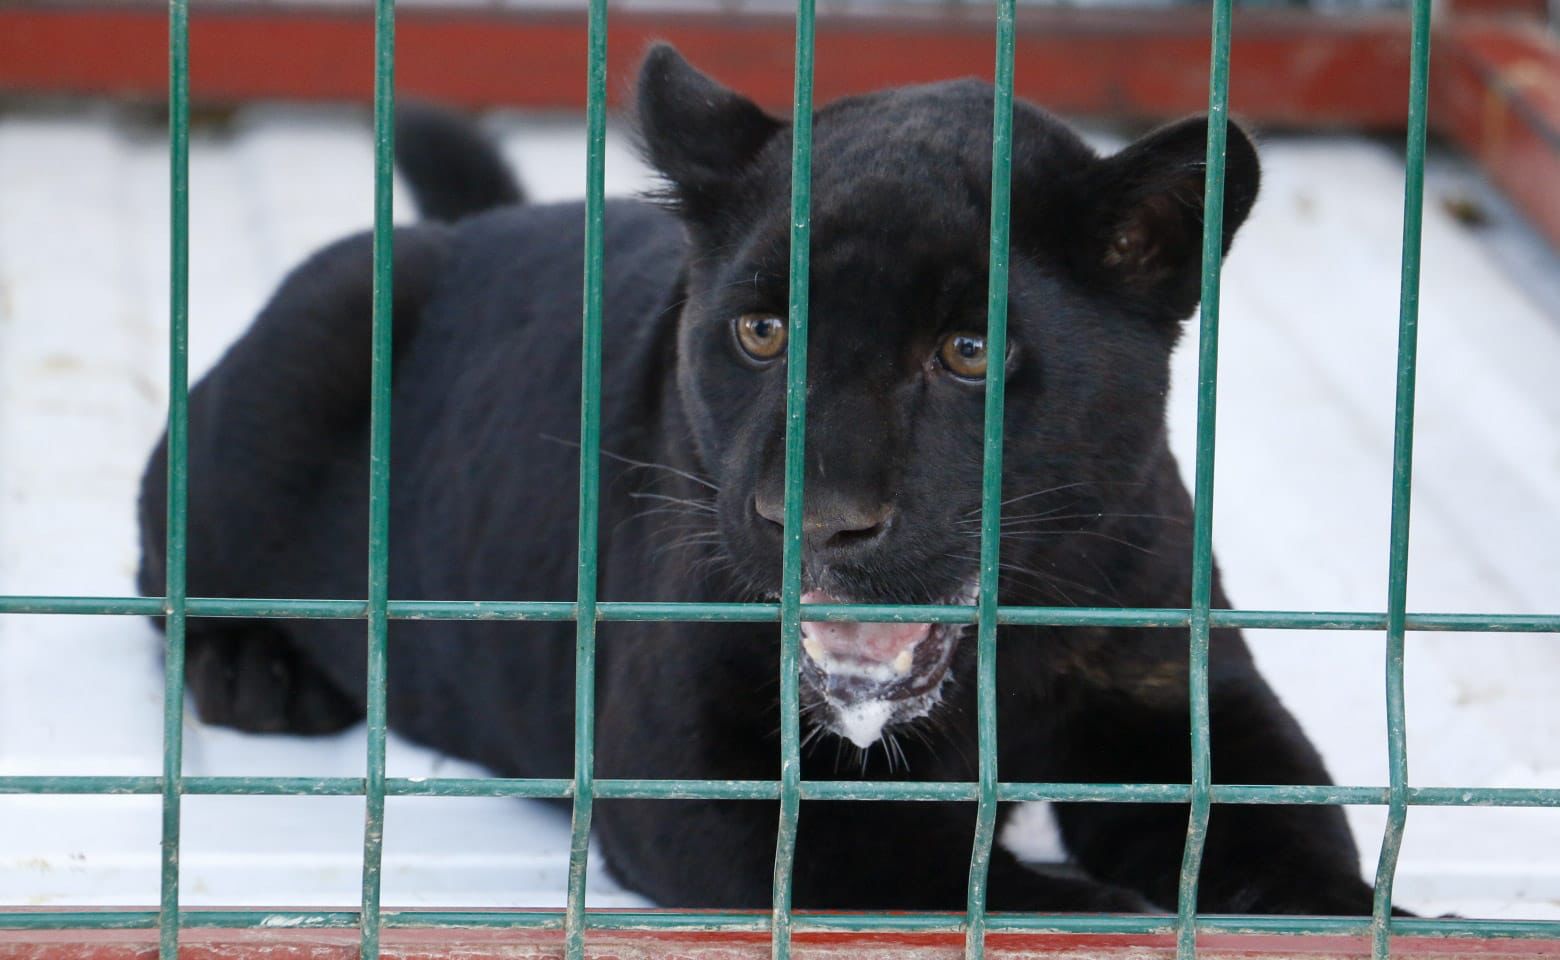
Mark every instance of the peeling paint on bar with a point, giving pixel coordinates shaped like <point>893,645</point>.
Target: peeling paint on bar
<point>991,489</point>
<point>525,610</point>
<point>1201,621</point>
<point>790,608</point>
<point>1382,921</point>
<point>175,604</point>
<point>581,789</point>
<point>377,634</point>
<point>885,791</point>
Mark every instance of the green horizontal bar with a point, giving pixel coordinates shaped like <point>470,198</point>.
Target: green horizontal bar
<point>1244,794</point>
<point>1378,796</point>
<point>688,789</point>
<point>91,606</point>
<point>673,920</point>
<point>82,786</point>
<point>770,612</point>
<point>275,786</point>
<point>1094,792</point>
<point>287,786</point>
<point>475,787</point>
<point>292,787</point>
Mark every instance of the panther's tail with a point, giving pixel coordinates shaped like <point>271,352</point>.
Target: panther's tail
<point>453,169</point>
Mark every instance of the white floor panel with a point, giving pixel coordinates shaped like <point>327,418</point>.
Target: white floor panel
<point>1304,461</point>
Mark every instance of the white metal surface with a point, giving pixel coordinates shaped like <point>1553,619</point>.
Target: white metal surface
<point>1303,471</point>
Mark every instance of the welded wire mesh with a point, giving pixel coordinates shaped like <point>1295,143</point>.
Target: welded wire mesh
<point>377,610</point>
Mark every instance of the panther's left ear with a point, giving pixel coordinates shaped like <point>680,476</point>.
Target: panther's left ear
<point>1147,213</point>
<point>698,134</point>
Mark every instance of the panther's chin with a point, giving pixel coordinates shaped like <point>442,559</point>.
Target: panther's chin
<point>869,676</point>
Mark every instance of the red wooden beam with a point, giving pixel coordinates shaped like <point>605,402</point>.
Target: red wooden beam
<point>492,944</point>
<point>1290,68</point>
<point>1533,10</point>
<point>1495,90</point>
<point>1495,84</point>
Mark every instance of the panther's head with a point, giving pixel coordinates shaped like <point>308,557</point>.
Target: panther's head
<point>1104,267</point>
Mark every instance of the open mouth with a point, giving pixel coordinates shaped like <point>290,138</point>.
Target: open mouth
<point>873,675</point>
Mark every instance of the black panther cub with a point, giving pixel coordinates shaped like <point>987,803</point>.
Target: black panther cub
<point>487,319</point>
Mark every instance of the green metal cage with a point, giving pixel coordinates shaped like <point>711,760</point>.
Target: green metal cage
<point>377,609</point>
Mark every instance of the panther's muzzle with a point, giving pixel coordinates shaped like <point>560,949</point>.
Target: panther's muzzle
<point>871,675</point>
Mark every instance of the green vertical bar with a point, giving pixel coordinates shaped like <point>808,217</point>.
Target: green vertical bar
<point>795,427</point>
<point>1202,522</point>
<point>590,485</point>
<point>991,483</point>
<point>178,468</point>
<point>1402,480</point>
<point>379,471</point>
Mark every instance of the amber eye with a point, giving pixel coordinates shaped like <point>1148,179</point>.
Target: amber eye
<point>964,354</point>
<point>761,335</point>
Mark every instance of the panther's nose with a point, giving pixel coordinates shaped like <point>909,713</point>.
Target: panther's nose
<point>834,527</point>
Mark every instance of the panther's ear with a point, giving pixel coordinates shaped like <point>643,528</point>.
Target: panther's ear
<point>1147,213</point>
<point>697,133</point>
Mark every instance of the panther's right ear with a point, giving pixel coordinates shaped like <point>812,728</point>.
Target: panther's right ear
<point>697,133</point>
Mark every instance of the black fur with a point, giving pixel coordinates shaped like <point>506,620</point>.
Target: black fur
<point>487,320</point>
<point>452,168</point>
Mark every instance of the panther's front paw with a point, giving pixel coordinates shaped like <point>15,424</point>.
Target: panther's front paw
<point>252,679</point>
<point>1354,898</point>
